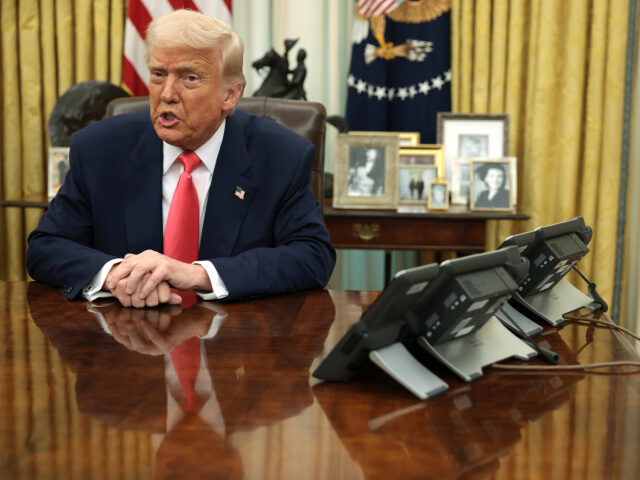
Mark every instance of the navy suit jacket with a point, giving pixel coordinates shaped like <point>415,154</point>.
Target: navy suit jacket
<point>272,241</point>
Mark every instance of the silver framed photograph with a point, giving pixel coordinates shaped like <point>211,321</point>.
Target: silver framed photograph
<point>493,183</point>
<point>366,172</point>
<point>57,169</point>
<point>472,136</point>
<point>438,195</point>
<point>460,181</point>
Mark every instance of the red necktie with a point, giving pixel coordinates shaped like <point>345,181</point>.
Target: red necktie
<point>181,234</point>
<point>186,361</point>
<point>181,243</point>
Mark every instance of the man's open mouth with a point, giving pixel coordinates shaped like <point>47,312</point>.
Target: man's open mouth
<point>168,119</point>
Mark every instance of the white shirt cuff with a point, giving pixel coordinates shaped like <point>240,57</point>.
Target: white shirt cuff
<point>218,286</point>
<point>93,291</point>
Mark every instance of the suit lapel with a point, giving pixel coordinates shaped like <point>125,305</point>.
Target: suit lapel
<point>142,187</point>
<point>226,210</point>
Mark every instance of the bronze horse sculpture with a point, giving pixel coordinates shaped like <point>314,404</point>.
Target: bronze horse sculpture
<point>277,83</point>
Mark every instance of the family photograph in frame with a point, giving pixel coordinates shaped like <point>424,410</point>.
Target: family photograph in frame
<point>417,167</point>
<point>57,169</point>
<point>438,195</point>
<point>493,184</point>
<point>467,135</point>
<point>366,174</point>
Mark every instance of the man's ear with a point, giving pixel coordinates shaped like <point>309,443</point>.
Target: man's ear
<point>232,96</point>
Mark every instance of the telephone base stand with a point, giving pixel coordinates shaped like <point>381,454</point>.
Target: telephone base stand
<point>517,322</point>
<point>552,304</point>
<point>467,355</point>
<point>396,360</point>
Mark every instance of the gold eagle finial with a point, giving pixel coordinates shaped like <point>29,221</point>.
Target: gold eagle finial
<point>409,11</point>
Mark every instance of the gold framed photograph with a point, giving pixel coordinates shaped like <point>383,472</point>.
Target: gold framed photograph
<point>418,166</point>
<point>471,135</point>
<point>405,139</point>
<point>57,169</point>
<point>366,172</point>
<point>438,198</point>
<point>422,154</point>
<point>493,183</point>
<point>413,183</point>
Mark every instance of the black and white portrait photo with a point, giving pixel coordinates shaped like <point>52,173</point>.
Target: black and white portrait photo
<point>473,145</point>
<point>438,195</point>
<point>491,185</point>
<point>366,171</point>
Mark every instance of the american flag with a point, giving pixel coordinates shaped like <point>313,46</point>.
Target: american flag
<point>239,193</point>
<point>135,74</point>
<point>374,8</point>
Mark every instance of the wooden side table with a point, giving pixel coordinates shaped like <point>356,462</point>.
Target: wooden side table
<point>458,229</point>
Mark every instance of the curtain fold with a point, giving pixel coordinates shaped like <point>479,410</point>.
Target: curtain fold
<point>10,130</point>
<point>47,46</point>
<point>557,69</point>
<point>631,279</point>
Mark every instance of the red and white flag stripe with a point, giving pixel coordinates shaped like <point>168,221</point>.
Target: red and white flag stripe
<point>374,8</point>
<point>135,74</point>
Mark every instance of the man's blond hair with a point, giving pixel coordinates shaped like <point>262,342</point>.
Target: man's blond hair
<point>195,30</point>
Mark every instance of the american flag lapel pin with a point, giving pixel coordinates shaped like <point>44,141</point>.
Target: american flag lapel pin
<point>239,193</point>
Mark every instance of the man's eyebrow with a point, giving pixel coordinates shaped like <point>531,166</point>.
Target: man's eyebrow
<point>190,67</point>
<point>185,68</point>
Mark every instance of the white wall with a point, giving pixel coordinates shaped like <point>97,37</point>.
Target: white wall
<point>323,29</point>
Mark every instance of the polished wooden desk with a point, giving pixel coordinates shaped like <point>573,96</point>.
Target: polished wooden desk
<point>78,400</point>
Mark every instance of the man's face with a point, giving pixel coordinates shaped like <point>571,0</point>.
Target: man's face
<point>187,95</point>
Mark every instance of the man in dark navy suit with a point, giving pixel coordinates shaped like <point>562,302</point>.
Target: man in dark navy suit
<point>260,227</point>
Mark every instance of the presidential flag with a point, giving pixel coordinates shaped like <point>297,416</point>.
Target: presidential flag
<point>400,74</point>
<point>135,74</point>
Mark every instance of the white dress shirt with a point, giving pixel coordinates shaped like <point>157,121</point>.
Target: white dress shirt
<point>171,171</point>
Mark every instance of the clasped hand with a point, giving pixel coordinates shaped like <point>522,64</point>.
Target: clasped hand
<point>156,331</point>
<point>146,279</point>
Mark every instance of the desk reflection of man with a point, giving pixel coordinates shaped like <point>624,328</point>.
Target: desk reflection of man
<point>192,407</point>
<point>238,371</point>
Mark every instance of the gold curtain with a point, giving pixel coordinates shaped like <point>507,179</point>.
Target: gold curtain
<point>557,68</point>
<point>46,47</point>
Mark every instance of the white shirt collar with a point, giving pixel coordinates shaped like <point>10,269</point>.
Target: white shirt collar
<point>208,152</point>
